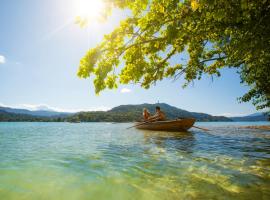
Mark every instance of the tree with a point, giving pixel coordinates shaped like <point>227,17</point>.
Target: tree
<point>214,33</point>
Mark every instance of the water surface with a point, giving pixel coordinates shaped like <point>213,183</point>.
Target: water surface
<point>105,161</point>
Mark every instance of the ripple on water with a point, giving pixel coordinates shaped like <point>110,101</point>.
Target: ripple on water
<point>101,161</point>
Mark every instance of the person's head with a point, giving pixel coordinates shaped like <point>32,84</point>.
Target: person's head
<point>157,108</point>
<point>145,110</point>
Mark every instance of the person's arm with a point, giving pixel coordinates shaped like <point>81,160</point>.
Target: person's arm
<point>158,116</point>
<point>154,117</point>
<point>163,116</point>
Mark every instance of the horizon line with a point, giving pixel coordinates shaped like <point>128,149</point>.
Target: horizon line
<point>46,107</point>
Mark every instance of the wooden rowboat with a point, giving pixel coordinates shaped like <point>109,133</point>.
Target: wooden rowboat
<point>172,125</point>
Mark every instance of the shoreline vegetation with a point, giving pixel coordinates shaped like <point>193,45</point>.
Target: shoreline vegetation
<point>122,113</point>
<point>262,127</point>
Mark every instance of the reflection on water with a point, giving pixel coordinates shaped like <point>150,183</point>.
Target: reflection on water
<point>106,161</point>
<point>180,141</point>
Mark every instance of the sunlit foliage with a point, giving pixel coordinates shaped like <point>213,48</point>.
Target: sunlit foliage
<point>214,33</point>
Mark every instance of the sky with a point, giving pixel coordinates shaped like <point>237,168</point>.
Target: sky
<point>40,50</point>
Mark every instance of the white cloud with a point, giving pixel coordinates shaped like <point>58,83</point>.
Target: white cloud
<point>3,105</point>
<point>2,59</point>
<point>125,90</point>
<point>98,108</point>
<point>34,107</point>
<point>234,114</point>
<point>51,108</point>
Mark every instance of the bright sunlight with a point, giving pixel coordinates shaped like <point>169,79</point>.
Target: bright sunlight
<point>89,9</point>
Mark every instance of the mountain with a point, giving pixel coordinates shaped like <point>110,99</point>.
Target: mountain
<point>252,117</point>
<point>40,113</point>
<point>127,113</point>
<point>11,117</point>
<point>256,114</point>
<point>122,113</point>
<point>171,112</point>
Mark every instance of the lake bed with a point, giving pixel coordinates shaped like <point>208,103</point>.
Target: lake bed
<point>107,161</point>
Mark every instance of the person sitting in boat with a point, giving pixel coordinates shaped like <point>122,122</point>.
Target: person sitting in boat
<point>159,116</point>
<point>146,114</point>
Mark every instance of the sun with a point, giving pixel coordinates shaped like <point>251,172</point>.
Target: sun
<point>89,9</point>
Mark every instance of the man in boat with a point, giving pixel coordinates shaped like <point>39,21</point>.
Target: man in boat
<point>159,116</point>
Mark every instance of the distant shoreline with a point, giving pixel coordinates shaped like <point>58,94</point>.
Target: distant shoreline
<point>115,122</point>
<point>262,127</point>
<point>122,113</point>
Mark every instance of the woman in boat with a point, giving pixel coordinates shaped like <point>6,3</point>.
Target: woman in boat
<point>159,116</point>
<point>146,114</point>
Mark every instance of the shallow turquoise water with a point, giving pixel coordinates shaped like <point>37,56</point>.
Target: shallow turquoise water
<point>105,161</point>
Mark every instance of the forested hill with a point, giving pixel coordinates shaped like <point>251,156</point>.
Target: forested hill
<point>127,113</point>
<point>13,117</point>
<point>123,113</point>
<point>37,113</point>
<point>170,111</point>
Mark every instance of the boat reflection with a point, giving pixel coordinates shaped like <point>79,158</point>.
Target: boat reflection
<point>166,135</point>
<point>179,141</point>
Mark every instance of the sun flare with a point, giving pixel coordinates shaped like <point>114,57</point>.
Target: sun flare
<point>89,9</point>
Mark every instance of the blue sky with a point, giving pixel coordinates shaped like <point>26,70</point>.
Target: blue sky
<point>40,49</point>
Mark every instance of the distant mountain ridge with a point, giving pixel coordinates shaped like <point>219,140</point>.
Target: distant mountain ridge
<point>39,113</point>
<point>252,117</point>
<point>13,117</point>
<point>171,112</point>
<point>122,113</point>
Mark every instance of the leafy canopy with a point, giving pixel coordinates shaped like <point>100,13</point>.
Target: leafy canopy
<point>214,33</point>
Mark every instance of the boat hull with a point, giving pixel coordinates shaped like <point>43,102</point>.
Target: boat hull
<point>172,126</point>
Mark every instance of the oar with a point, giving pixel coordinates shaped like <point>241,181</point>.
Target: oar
<point>204,129</point>
<point>142,123</point>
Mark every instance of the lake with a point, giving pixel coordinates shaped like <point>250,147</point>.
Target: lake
<point>64,161</point>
